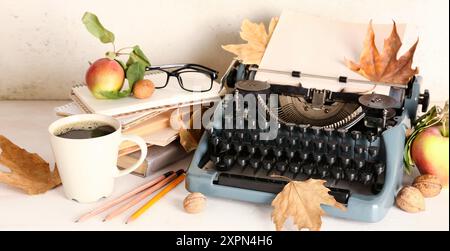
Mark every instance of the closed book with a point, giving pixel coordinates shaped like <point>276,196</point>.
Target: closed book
<point>158,157</point>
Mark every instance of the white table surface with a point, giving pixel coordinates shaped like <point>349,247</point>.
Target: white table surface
<point>25,123</point>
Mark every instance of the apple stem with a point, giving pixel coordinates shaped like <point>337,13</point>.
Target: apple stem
<point>124,48</point>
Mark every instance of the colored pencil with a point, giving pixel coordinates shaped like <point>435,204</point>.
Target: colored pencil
<point>124,197</point>
<point>142,196</point>
<point>163,192</point>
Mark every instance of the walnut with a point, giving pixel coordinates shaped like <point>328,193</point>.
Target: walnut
<point>410,199</point>
<point>194,203</point>
<point>429,185</point>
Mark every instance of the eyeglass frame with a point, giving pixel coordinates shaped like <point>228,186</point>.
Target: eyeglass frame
<point>176,73</point>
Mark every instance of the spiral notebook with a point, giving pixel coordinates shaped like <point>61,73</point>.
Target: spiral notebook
<point>162,99</point>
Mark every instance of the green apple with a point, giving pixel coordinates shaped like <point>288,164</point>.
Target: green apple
<point>105,75</point>
<point>429,152</point>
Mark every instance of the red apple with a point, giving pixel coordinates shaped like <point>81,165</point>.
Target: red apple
<point>104,75</point>
<point>429,152</point>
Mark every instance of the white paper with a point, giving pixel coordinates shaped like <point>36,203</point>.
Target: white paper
<point>316,45</point>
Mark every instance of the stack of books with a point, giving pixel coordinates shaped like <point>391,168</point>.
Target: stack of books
<point>147,118</point>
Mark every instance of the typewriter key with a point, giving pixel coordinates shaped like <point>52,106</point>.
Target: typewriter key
<point>379,168</point>
<point>322,171</point>
<point>229,160</point>
<point>281,166</point>
<point>318,158</point>
<point>359,149</point>
<point>373,151</point>
<point>318,145</point>
<point>365,176</point>
<point>359,163</point>
<point>337,172</point>
<point>346,161</point>
<point>308,169</point>
<point>356,135</point>
<point>331,159</point>
<point>328,131</point>
<point>278,152</point>
<point>294,168</point>
<point>290,153</point>
<point>351,174</point>
<point>345,147</point>
<point>331,146</point>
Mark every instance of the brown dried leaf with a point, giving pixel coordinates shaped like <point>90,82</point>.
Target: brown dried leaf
<point>301,200</point>
<point>385,67</point>
<point>29,171</point>
<point>257,39</point>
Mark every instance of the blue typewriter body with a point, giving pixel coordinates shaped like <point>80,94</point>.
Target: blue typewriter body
<point>245,182</point>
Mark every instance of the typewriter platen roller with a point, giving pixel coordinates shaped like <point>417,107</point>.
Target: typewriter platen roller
<point>353,141</point>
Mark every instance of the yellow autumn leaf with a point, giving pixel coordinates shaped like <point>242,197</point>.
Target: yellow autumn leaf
<point>385,67</point>
<point>257,40</point>
<point>302,201</point>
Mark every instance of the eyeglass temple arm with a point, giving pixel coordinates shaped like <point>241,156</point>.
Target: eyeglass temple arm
<point>156,67</point>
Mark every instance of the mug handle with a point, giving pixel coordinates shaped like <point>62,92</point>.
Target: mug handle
<point>142,145</point>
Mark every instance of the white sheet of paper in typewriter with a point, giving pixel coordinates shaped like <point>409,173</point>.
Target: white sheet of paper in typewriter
<point>318,45</point>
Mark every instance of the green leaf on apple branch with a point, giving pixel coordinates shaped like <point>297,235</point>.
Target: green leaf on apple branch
<point>137,55</point>
<point>124,66</point>
<point>433,117</point>
<point>135,72</point>
<point>94,26</point>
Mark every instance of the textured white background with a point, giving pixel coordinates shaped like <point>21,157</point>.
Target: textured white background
<point>45,47</point>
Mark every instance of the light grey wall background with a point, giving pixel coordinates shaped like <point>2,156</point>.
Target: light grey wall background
<point>45,47</point>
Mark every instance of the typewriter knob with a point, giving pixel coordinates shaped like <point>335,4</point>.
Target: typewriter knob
<point>424,100</point>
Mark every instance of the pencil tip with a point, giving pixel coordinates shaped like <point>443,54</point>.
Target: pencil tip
<point>76,221</point>
<point>104,220</point>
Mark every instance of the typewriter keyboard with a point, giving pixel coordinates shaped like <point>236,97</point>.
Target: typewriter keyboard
<point>348,160</point>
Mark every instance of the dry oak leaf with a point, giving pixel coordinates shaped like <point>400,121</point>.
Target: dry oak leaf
<point>29,172</point>
<point>257,40</point>
<point>385,67</point>
<point>302,200</point>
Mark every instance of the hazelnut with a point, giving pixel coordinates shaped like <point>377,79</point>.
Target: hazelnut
<point>410,199</point>
<point>143,89</point>
<point>194,203</point>
<point>429,185</point>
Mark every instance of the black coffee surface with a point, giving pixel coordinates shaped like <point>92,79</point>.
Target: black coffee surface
<point>87,133</point>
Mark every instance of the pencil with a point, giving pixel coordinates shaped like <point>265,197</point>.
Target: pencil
<point>142,196</point>
<point>124,197</point>
<point>163,192</point>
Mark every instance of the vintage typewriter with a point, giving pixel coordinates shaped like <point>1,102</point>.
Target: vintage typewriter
<point>353,141</point>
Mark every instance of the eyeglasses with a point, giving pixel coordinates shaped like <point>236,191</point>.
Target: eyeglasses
<point>191,77</point>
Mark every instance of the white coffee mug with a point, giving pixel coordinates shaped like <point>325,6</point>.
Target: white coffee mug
<point>88,166</point>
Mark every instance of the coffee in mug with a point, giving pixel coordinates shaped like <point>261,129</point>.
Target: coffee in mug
<point>86,149</point>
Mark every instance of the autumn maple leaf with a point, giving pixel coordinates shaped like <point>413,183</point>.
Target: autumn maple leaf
<point>302,201</point>
<point>257,40</point>
<point>385,67</point>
